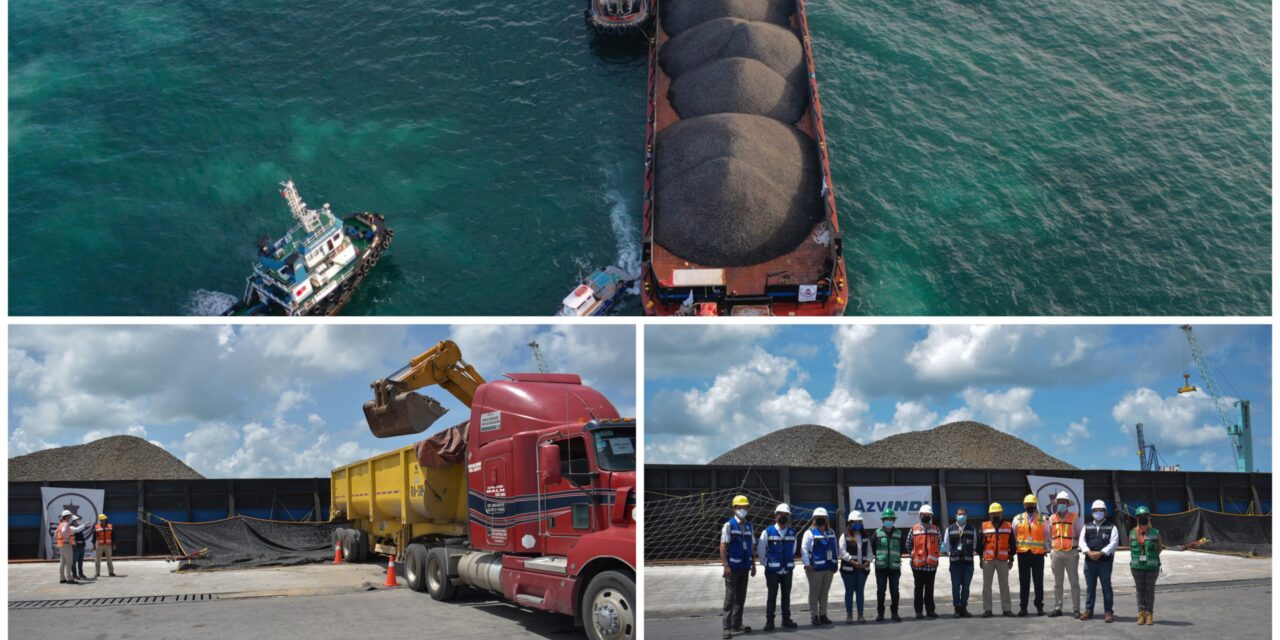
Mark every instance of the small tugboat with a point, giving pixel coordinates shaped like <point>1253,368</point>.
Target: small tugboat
<point>618,17</point>
<point>316,266</point>
<point>597,293</point>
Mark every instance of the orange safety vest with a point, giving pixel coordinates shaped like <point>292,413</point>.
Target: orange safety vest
<point>1064,538</point>
<point>1031,534</point>
<point>995,542</point>
<point>102,535</point>
<point>62,533</point>
<point>924,553</point>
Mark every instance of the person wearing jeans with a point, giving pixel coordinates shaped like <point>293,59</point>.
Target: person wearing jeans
<point>855,564</point>
<point>960,543</point>
<point>777,550</point>
<point>1099,540</point>
<point>888,545</point>
<point>818,551</point>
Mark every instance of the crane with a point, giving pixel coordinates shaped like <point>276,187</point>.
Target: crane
<point>1148,458</point>
<point>1239,432</point>
<point>537,356</point>
<point>398,410</point>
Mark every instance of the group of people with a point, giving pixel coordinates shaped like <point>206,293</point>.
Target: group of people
<point>70,537</point>
<point>995,543</point>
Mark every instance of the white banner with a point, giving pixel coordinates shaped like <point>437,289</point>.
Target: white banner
<point>86,503</point>
<point>1046,487</point>
<point>904,500</point>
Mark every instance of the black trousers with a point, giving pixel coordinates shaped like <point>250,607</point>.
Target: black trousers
<point>924,590</point>
<point>735,596</point>
<point>1030,569</point>
<point>775,580</point>
<point>885,577</point>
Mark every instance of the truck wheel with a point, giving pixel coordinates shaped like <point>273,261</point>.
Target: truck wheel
<point>359,545</point>
<point>608,607</point>
<point>415,562</point>
<point>438,583</point>
<point>349,552</point>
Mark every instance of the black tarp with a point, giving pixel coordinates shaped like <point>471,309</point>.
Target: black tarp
<point>1229,532</point>
<point>241,541</point>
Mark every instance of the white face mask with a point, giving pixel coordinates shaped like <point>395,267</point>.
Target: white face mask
<point>1099,515</point>
<point>741,513</point>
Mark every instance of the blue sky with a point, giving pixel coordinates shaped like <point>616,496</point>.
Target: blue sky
<point>266,400</point>
<point>1074,391</point>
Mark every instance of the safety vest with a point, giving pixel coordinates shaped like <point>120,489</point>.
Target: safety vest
<point>859,548</point>
<point>779,550</point>
<point>63,532</point>
<point>102,534</point>
<point>889,549</point>
<point>925,546</point>
<point>822,556</point>
<point>1064,538</point>
<point>740,542</point>
<point>961,542</point>
<point>1097,535</point>
<point>1145,555</point>
<point>1030,534</point>
<point>995,541</point>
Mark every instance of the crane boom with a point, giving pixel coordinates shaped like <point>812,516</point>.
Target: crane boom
<point>1238,434</point>
<point>397,409</point>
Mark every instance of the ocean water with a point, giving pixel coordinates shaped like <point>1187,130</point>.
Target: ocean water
<point>1040,157</point>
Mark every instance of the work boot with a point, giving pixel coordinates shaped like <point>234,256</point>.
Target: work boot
<point>1075,614</point>
<point>1110,617</point>
<point>768,625</point>
<point>861,620</point>
<point>742,629</point>
<point>931,615</point>
<point>1142,616</point>
<point>1022,613</point>
<point>1086,615</point>
<point>825,620</point>
<point>789,623</point>
<point>1056,612</point>
<point>815,622</point>
<point>848,617</point>
<point>1039,611</point>
<point>965,611</point>
<point>987,613</point>
<point>62,581</point>
<point>895,617</point>
<point>1007,614</point>
<point>958,613</point>
<point>726,634</point>
<point>112,575</point>
<point>1151,618</point>
<point>919,615</point>
<point>879,614</point>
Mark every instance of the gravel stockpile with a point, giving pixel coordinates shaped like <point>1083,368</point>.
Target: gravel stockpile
<point>805,445</point>
<point>956,445</point>
<point>680,15</point>
<point>114,458</point>
<point>776,47</point>
<point>737,85</point>
<point>736,189</point>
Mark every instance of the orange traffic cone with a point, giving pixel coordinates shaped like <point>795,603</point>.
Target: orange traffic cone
<point>391,572</point>
<point>337,553</point>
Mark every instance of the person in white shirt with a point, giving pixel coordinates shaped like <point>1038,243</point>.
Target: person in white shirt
<point>855,564</point>
<point>777,551</point>
<point>1098,539</point>
<point>818,551</point>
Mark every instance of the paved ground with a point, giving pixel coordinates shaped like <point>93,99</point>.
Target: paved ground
<point>312,601</point>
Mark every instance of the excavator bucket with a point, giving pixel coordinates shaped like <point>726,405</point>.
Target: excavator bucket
<point>401,414</point>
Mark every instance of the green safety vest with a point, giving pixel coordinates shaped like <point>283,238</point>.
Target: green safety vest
<point>1150,548</point>
<point>888,549</point>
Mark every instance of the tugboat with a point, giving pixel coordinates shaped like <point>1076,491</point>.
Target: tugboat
<point>619,17</point>
<point>597,293</point>
<point>316,266</point>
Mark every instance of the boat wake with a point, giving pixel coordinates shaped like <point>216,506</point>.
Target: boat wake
<point>208,303</point>
<point>624,230</point>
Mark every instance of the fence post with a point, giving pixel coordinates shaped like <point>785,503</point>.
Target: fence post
<point>942,495</point>
<point>840,506</point>
<point>141,515</point>
<point>786,485</point>
<point>231,498</point>
<point>1191,496</point>
<point>1253,488</point>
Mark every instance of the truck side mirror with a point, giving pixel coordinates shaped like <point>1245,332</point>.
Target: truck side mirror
<point>549,463</point>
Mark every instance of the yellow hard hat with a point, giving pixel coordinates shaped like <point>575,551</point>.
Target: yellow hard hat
<point>1030,499</point>
<point>741,501</point>
<point>995,508</point>
<point>102,516</point>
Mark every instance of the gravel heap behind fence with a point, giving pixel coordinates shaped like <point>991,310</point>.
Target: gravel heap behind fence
<point>113,458</point>
<point>680,15</point>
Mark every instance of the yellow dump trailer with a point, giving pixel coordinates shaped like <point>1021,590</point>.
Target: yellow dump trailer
<point>396,500</point>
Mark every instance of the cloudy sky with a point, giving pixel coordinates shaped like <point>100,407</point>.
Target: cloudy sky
<point>1074,391</point>
<point>265,400</point>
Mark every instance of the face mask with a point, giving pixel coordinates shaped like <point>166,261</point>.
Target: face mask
<point>1062,508</point>
<point>888,524</point>
<point>741,513</point>
<point>960,519</point>
<point>926,519</point>
<point>783,520</point>
<point>995,519</point>
<point>1144,520</point>
<point>820,523</point>
<point>1099,515</point>
<point>1031,511</point>
<point>856,526</point>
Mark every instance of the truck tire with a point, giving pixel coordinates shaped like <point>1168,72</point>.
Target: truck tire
<point>439,585</point>
<point>359,545</point>
<point>415,564</point>
<point>608,607</point>
<point>349,551</point>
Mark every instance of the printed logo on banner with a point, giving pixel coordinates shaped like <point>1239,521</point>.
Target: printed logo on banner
<point>905,502</point>
<point>85,503</point>
<point>1047,488</point>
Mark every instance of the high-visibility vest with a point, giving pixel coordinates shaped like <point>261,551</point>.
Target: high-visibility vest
<point>925,546</point>
<point>1064,538</point>
<point>779,550</point>
<point>995,541</point>
<point>1031,534</point>
<point>822,555</point>
<point>1144,555</point>
<point>740,544</point>
<point>63,532</point>
<point>102,535</point>
<point>888,548</point>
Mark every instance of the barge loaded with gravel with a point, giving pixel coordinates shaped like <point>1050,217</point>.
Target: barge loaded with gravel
<point>739,213</point>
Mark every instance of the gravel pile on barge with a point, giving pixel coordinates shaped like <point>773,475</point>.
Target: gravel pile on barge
<point>113,458</point>
<point>680,15</point>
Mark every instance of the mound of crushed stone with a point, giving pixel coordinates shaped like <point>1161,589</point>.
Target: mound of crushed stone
<point>736,189</point>
<point>680,15</point>
<point>776,47</point>
<point>737,85</point>
<point>113,458</point>
<point>804,445</point>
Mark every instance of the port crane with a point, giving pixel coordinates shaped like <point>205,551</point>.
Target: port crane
<point>1148,458</point>
<point>1240,429</point>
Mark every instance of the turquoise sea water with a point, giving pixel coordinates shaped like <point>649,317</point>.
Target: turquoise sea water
<point>1040,157</point>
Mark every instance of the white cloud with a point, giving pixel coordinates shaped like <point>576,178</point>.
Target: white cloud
<point>907,416</point>
<point>1076,431</point>
<point>691,449</point>
<point>700,350</point>
<point>603,355</point>
<point>281,449</point>
<point>1180,420</point>
<point>954,355</point>
<point>1009,410</point>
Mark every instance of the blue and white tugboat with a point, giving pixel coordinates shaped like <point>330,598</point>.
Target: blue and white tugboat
<point>597,293</point>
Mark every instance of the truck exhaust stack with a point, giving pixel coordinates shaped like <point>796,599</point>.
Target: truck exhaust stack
<point>392,414</point>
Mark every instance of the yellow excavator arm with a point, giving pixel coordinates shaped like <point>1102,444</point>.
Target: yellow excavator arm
<point>398,410</point>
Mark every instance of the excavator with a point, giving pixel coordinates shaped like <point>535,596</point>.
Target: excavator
<point>398,410</point>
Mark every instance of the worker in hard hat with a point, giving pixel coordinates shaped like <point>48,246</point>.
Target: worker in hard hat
<point>777,551</point>
<point>1099,540</point>
<point>924,546</point>
<point>855,564</point>
<point>738,555</point>
<point>818,552</point>
<point>888,544</point>
<point>1144,563</point>
<point>1031,531</point>
<point>62,535</point>
<point>960,543</point>
<point>997,558</point>
<point>1065,555</point>
<point>103,546</point>
<point>79,536</point>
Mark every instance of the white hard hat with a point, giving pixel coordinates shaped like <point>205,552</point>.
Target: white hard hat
<point>1062,495</point>
<point>926,509</point>
<point>783,508</point>
<point>1098,504</point>
<point>855,515</point>
<point>65,513</point>
<point>75,517</point>
<point>820,512</point>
